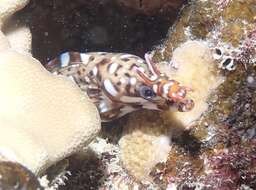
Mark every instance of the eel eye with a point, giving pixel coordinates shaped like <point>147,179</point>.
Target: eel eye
<point>147,92</point>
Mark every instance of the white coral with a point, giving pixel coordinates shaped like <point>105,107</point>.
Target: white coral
<point>43,118</point>
<point>17,38</point>
<point>196,69</point>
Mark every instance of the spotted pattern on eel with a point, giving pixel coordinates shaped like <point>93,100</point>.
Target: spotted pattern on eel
<point>120,83</point>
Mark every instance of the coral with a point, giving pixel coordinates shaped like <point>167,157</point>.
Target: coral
<point>226,134</point>
<point>221,3</point>
<point>18,38</point>
<point>34,132</point>
<point>247,53</point>
<point>146,137</point>
<point>96,167</point>
<point>221,22</point>
<point>48,114</point>
<point>4,43</point>
<point>144,134</point>
<point>217,150</point>
<point>195,68</point>
<point>9,7</point>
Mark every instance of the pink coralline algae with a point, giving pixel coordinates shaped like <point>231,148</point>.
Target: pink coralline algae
<point>221,3</point>
<point>232,168</point>
<point>248,49</point>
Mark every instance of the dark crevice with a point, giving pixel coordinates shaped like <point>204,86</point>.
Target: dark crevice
<point>140,3</point>
<point>103,25</point>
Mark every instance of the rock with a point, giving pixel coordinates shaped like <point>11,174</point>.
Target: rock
<point>218,152</point>
<point>16,176</point>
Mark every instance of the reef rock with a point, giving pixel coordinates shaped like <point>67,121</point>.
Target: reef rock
<point>218,152</point>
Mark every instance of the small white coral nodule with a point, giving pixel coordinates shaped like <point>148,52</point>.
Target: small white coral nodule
<point>18,37</point>
<point>9,7</point>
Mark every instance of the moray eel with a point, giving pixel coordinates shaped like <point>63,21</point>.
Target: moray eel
<point>119,83</point>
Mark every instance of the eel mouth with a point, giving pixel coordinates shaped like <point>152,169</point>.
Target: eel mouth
<point>186,105</point>
<point>182,106</point>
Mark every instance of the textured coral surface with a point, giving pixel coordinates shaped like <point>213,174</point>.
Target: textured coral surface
<point>33,114</point>
<point>144,143</point>
<point>33,131</point>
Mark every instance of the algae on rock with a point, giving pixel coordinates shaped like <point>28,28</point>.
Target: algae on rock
<point>224,136</point>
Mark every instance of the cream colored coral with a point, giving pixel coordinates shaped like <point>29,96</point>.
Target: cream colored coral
<point>4,43</point>
<point>9,7</point>
<point>43,118</point>
<point>16,38</point>
<point>197,70</point>
<point>145,141</point>
<point>20,38</point>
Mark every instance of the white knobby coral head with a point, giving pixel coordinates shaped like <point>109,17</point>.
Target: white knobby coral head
<point>43,118</point>
<point>18,37</point>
